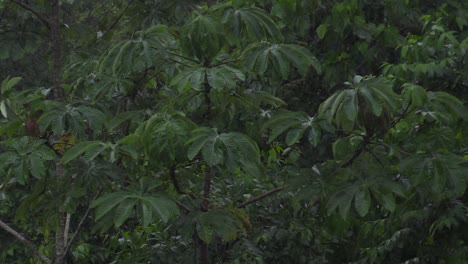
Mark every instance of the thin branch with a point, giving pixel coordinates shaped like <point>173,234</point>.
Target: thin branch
<point>118,18</point>
<point>183,57</point>
<point>396,121</point>
<point>261,196</point>
<point>67,228</point>
<point>44,19</point>
<point>375,157</point>
<point>176,61</point>
<point>172,175</point>
<point>225,62</point>
<point>183,206</point>
<point>206,189</point>
<point>80,224</point>
<point>26,242</point>
<point>355,155</point>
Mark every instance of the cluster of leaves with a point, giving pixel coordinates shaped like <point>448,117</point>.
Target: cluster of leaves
<point>240,132</point>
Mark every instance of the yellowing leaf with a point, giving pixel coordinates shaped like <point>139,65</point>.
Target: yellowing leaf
<point>65,142</point>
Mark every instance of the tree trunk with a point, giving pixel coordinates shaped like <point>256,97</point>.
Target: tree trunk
<point>202,245</point>
<point>56,46</point>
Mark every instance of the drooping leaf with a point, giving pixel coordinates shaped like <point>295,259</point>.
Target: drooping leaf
<point>123,211</point>
<point>203,37</point>
<point>106,203</point>
<point>250,22</point>
<point>78,150</point>
<point>414,94</point>
<point>362,201</point>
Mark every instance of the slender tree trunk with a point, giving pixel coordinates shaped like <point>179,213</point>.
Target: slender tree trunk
<point>62,222</point>
<point>56,46</point>
<point>202,245</point>
<point>58,95</point>
<point>52,22</point>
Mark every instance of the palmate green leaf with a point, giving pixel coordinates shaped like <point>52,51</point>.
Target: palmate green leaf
<point>147,213</point>
<point>294,135</point>
<point>205,232</point>
<point>439,179</point>
<point>190,78</point>
<point>247,152</point>
<point>387,200</point>
<point>224,77</point>
<point>362,201</point>
<point>277,58</point>
<point>106,203</point>
<point>136,54</point>
<point>342,148</point>
<point>234,150</point>
<point>128,150</point>
<point>121,118</point>
<point>203,37</point>
<point>315,134</point>
<point>262,97</point>
<point>280,122</point>
<point>8,83</point>
<point>24,157</point>
<point>322,30</point>
<point>341,201</point>
<point>107,62</point>
<point>36,166</point>
<point>279,65</point>
<point>369,96</point>
<point>121,205</point>
<point>61,118</point>
<point>297,123</point>
<point>443,104</point>
<point>199,139</point>
<point>3,109</point>
<point>338,103</point>
<point>123,210</point>
<point>250,22</point>
<point>94,117</point>
<point>95,150</point>
<point>78,150</point>
<point>55,119</point>
<point>301,58</point>
<point>350,106</point>
<point>381,90</point>
<point>21,171</point>
<point>414,94</point>
<point>443,174</point>
<point>162,206</point>
<point>376,106</point>
<point>212,152</point>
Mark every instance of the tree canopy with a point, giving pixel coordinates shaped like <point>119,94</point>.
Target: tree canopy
<point>233,131</point>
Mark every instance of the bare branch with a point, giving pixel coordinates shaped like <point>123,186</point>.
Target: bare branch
<point>174,181</point>
<point>118,18</point>
<point>355,155</point>
<point>44,19</point>
<point>183,206</point>
<point>80,224</point>
<point>261,196</point>
<point>26,242</point>
<point>67,228</point>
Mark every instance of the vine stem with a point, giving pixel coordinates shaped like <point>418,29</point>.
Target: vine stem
<point>260,197</point>
<point>26,242</point>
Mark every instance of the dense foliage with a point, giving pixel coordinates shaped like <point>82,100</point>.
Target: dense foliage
<point>235,131</point>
